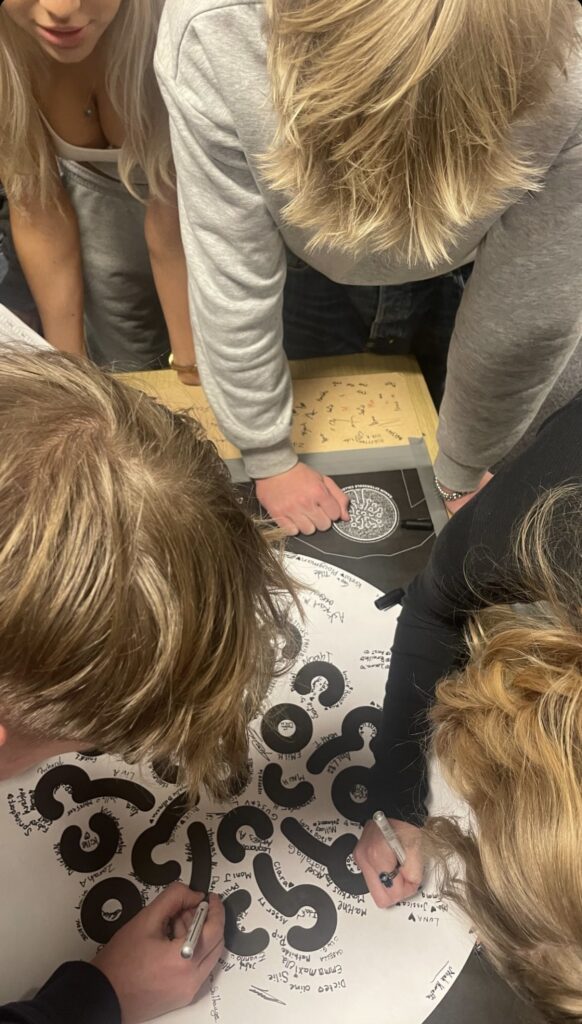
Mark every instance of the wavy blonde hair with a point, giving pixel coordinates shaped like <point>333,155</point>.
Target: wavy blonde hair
<point>141,608</point>
<point>509,735</point>
<point>28,168</point>
<point>395,117</point>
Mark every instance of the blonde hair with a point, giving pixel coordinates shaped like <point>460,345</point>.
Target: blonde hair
<point>509,735</point>
<point>28,168</point>
<point>141,608</point>
<point>395,117</point>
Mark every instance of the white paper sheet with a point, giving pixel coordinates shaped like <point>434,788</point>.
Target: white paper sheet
<point>320,952</point>
<point>13,330</point>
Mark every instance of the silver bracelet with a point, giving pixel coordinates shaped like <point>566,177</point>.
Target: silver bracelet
<point>447,495</point>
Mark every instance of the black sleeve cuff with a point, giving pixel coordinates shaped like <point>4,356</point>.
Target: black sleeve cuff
<point>77,993</point>
<point>401,805</point>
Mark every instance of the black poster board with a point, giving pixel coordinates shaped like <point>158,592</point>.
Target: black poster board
<point>374,545</point>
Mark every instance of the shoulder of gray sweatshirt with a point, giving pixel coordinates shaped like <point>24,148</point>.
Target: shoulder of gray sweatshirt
<point>521,314</point>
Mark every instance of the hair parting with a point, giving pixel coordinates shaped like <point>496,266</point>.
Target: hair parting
<point>141,609</point>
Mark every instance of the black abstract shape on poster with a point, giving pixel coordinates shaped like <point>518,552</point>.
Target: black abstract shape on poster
<point>289,902</point>
<point>333,857</point>
<point>349,740</point>
<point>336,684</point>
<point>291,744</point>
<point>84,789</point>
<point>78,859</point>
<point>159,834</point>
<point>290,797</point>
<point>201,857</point>
<point>94,921</point>
<point>239,817</point>
<point>165,771</point>
<point>293,643</point>
<point>236,941</point>
<point>343,787</point>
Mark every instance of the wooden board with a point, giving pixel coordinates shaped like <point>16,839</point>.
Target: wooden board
<point>339,404</point>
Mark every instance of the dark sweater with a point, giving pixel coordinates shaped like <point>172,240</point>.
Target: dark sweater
<point>476,546</point>
<point>77,993</point>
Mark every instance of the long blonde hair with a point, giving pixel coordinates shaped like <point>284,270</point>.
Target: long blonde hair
<point>395,117</point>
<point>28,167</point>
<point>509,735</point>
<point>141,609</point>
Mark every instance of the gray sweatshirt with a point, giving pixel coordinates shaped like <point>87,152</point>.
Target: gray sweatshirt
<point>521,314</point>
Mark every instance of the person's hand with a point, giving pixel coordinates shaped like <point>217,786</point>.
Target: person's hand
<point>373,855</point>
<point>302,500</point>
<point>454,506</point>
<point>143,963</point>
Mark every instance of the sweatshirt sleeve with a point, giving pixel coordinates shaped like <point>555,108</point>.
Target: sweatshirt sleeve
<point>519,321</point>
<point>471,564</point>
<point>78,993</point>
<point>235,257</point>
<point>428,644</point>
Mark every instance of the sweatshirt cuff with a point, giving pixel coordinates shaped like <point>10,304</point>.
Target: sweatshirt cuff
<point>456,477</point>
<point>264,462</point>
<point>77,993</point>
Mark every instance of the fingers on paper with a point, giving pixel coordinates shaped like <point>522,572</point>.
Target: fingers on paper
<point>339,497</point>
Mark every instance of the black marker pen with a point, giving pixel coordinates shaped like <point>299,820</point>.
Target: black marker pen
<point>390,599</point>
<point>417,524</point>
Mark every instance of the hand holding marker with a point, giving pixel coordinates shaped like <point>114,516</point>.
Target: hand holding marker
<point>387,877</point>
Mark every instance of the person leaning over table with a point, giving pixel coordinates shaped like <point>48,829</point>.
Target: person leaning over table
<point>381,143</point>
<point>90,470</point>
<point>86,166</point>
<point>508,724</point>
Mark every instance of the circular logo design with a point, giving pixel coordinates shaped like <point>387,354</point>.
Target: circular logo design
<point>373,514</point>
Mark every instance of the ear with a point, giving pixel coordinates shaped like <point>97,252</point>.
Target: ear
<point>3,734</point>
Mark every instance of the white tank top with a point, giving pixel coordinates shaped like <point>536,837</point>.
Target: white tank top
<point>104,160</point>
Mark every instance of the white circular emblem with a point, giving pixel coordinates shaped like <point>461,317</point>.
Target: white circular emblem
<point>373,514</point>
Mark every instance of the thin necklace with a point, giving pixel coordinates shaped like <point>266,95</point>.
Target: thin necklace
<point>90,108</point>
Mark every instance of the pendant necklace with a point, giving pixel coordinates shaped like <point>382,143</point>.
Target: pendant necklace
<point>90,105</point>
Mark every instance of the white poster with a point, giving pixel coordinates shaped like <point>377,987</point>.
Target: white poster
<point>87,840</point>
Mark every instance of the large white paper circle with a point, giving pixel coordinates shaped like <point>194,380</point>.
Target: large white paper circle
<point>362,964</point>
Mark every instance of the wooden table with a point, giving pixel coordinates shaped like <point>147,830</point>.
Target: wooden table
<point>355,383</point>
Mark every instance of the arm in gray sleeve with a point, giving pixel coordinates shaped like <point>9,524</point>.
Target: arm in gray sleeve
<point>518,324</point>
<point>236,262</point>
